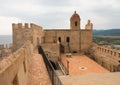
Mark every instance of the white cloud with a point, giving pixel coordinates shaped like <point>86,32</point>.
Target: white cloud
<point>6,24</point>
<point>105,14</point>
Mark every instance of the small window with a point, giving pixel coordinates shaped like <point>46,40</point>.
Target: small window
<point>67,39</point>
<point>75,23</point>
<point>59,39</point>
<point>24,66</point>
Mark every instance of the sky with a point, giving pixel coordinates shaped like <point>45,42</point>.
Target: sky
<point>54,14</point>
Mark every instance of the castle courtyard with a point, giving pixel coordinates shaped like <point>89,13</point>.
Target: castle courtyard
<point>78,64</point>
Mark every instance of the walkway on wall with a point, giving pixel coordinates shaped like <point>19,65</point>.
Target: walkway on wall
<point>38,74</point>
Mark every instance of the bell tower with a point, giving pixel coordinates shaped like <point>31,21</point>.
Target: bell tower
<point>75,22</point>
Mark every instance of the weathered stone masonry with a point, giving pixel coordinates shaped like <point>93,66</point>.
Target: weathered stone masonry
<point>107,57</point>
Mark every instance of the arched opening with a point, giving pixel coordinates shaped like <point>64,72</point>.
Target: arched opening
<point>75,23</point>
<point>59,39</point>
<point>68,39</point>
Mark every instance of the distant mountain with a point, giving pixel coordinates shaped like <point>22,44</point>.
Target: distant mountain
<point>110,32</point>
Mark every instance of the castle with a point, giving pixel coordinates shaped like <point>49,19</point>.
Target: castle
<point>62,54</point>
<point>74,39</point>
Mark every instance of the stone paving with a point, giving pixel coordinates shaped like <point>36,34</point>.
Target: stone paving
<point>38,74</point>
<point>81,64</point>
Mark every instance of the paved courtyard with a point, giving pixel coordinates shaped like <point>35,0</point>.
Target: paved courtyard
<point>81,64</point>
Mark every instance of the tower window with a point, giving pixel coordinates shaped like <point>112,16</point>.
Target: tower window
<point>75,23</point>
<point>67,39</point>
<point>59,39</point>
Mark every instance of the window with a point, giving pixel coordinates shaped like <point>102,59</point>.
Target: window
<point>24,66</point>
<point>67,39</point>
<point>75,23</point>
<point>59,39</point>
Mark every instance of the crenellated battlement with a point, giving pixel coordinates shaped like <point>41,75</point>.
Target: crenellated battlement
<point>25,31</point>
<point>24,25</point>
<point>21,25</point>
<point>107,57</point>
<point>105,50</point>
<point>5,46</point>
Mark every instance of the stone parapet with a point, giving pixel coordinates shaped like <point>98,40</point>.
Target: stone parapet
<point>20,25</point>
<point>5,46</point>
<point>14,68</point>
<point>107,57</point>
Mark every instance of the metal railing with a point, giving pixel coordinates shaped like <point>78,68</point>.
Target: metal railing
<point>52,74</point>
<point>63,67</point>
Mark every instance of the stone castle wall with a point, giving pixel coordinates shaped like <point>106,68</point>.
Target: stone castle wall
<point>86,39</point>
<point>14,68</point>
<point>107,57</point>
<point>5,46</point>
<point>5,50</point>
<point>52,51</point>
<point>25,38</point>
<point>78,40</point>
<point>22,33</point>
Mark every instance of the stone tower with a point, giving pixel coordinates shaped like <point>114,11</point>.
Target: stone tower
<point>75,22</point>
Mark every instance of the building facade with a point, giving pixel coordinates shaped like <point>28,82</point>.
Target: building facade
<point>74,39</point>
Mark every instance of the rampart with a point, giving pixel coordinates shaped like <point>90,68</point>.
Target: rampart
<point>5,50</point>
<point>107,57</point>
<point>16,66</point>
<point>5,46</point>
<point>25,38</point>
<point>24,32</point>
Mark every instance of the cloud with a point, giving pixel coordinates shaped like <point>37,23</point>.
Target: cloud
<point>105,14</point>
<point>6,24</point>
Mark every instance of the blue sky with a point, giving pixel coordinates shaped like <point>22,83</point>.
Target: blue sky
<point>104,14</point>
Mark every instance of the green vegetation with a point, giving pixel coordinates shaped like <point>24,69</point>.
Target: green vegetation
<point>106,40</point>
<point>109,32</point>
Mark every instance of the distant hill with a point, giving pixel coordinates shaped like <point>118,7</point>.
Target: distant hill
<point>110,32</point>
